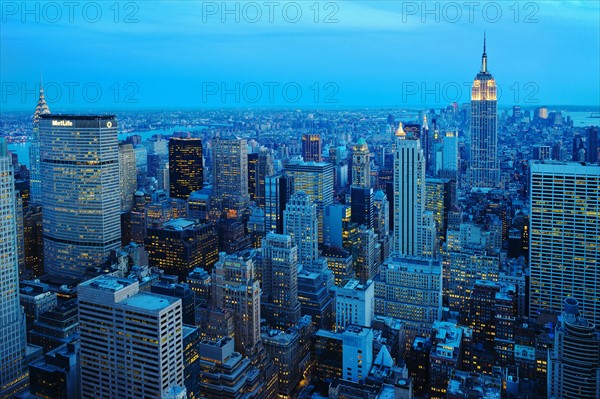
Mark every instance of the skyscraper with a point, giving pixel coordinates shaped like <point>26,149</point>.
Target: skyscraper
<point>300,223</point>
<point>361,164</point>
<point>127,176</point>
<point>564,237</point>
<point>12,326</point>
<point>35,178</point>
<point>186,172</point>
<point>361,203</point>
<point>235,287</point>
<point>131,341</point>
<point>260,166</point>
<point>316,180</point>
<point>278,190</point>
<point>80,191</point>
<point>484,170</point>
<point>574,362</point>
<point>311,147</point>
<point>230,173</point>
<point>409,194</point>
<point>279,273</point>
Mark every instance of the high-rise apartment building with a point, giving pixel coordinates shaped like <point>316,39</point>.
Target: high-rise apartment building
<point>484,171</point>
<point>186,170</point>
<point>564,230</point>
<point>80,191</point>
<point>12,326</point>
<point>131,341</point>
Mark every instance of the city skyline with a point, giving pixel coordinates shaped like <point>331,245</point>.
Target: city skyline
<point>255,235</point>
<point>373,37</point>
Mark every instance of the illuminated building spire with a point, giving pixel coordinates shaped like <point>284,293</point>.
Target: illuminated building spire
<point>400,132</point>
<point>484,57</point>
<point>42,106</point>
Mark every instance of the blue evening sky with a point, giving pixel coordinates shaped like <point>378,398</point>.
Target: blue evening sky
<point>108,55</point>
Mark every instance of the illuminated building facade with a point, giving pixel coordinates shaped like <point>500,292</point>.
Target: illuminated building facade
<point>361,164</point>
<point>316,180</point>
<point>484,170</point>
<point>564,237</point>
<point>311,148</point>
<point>80,191</point>
<point>181,245</point>
<point>465,267</point>
<point>438,193</point>
<point>300,221</point>
<point>127,176</point>
<point>366,258</point>
<point>410,289</point>
<point>12,327</point>
<point>186,170</point>
<point>230,173</point>
<point>279,274</point>
<point>131,341</point>
<point>237,288</point>
<point>340,262</point>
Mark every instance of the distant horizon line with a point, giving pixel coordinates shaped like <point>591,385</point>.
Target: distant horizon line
<point>581,108</point>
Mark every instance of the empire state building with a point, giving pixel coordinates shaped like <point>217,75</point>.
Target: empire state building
<point>484,171</point>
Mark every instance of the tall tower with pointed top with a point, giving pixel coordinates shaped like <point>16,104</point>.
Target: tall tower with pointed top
<point>484,171</point>
<point>34,149</point>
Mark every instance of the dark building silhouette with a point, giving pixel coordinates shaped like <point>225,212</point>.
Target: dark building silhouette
<point>361,200</point>
<point>185,167</point>
<point>180,245</point>
<point>311,147</point>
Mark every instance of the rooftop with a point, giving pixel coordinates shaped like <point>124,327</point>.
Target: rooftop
<point>179,224</point>
<point>77,117</point>
<point>148,301</point>
<point>108,283</point>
